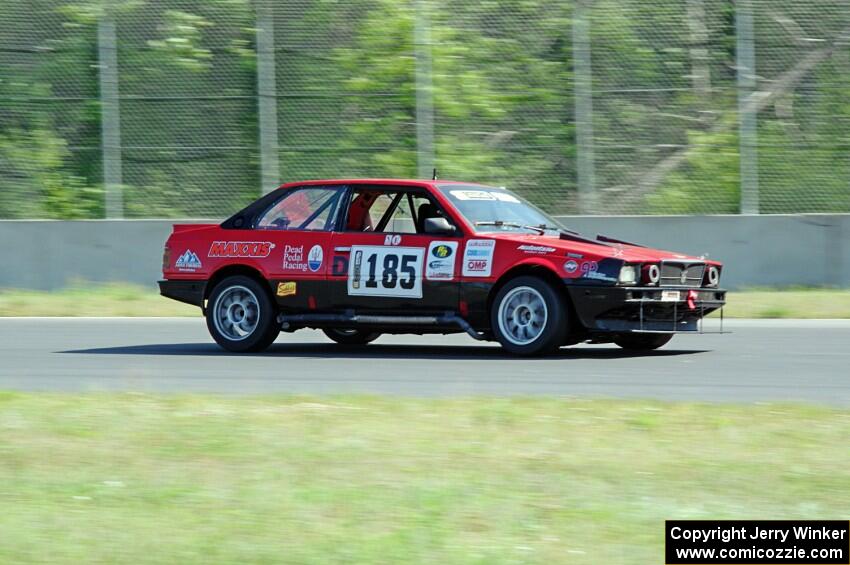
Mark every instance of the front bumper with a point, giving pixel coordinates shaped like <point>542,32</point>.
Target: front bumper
<point>190,292</point>
<point>617,309</point>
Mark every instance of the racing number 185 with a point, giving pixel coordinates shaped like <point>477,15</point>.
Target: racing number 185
<point>391,269</point>
<point>385,271</point>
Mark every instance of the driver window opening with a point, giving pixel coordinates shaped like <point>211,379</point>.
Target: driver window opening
<point>373,210</point>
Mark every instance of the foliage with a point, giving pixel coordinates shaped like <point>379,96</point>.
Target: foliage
<point>664,83</point>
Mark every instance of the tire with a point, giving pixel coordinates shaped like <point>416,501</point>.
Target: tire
<point>351,337</point>
<point>241,316</point>
<point>642,342</point>
<point>529,317</point>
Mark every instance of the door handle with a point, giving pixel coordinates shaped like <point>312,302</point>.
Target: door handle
<point>342,249</point>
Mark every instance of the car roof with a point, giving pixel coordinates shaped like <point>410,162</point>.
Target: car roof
<point>397,182</point>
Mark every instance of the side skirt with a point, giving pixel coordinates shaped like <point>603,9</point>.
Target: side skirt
<point>427,324</point>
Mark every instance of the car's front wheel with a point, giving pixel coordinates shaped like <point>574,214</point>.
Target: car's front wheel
<point>642,342</point>
<point>241,316</point>
<point>351,337</point>
<point>529,316</point>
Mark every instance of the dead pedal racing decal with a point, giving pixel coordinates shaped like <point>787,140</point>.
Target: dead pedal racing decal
<point>440,261</point>
<point>478,257</point>
<point>287,288</point>
<point>188,261</point>
<point>385,271</point>
<point>293,258</point>
<point>235,249</point>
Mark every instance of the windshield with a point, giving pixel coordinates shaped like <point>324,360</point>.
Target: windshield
<point>492,209</point>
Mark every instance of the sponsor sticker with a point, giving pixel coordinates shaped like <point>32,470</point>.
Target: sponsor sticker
<point>484,195</point>
<point>575,255</point>
<point>596,275</point>
<point>536,249</point>
<point>478,257</point>
<point>392,239</point>
<point>288,288</point>
<point>189,261</point>
<point>472,195</point>
<point>441,260</point>
<point>314,258</point>
<point>254,249</point>
<point>571,266</point>
<point>588,267</point>
<point>293,258</point>
<point>386,271</point>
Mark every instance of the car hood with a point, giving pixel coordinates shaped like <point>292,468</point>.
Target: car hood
<point>586,246</point>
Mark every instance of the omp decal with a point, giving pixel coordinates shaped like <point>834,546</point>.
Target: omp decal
<point>440,264</point>
<point>392,239</point>
<point>571,266</point>
<point>188,261</point>
<point>386,271</point>
<point>478,257</point>
<point>315,258</point>
<point>536,249</point>
<point>287,288</point>
<point>255,249</point>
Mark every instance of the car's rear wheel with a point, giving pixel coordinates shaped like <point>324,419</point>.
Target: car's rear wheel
<point>529,316</point>
<point>642,342</point>
<point>351,337</point>
<point>241,316</point>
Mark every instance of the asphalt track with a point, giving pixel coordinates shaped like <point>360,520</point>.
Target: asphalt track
<point>781,360</point>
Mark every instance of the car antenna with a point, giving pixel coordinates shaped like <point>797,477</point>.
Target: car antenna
<point>434,176</point>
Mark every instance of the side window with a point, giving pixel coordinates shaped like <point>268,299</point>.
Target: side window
<point>401,220</point>
<point>310,208</point>
<point>389,211</point>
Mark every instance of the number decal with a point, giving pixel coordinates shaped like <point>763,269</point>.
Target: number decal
<point>386,271</point>
<point>371,282</point>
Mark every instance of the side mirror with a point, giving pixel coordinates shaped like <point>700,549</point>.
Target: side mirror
<point>438,226</point>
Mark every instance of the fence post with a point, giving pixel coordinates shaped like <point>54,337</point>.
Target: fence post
<point>267,98</point>
<point>747,111</point>
<point>424,91</point>
<point>110,116</point>
<point>583,93</point>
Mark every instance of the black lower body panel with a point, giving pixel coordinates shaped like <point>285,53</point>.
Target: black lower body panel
<point>613,309</point>
<point>190,292</point>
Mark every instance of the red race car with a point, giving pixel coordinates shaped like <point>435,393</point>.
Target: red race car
<point>358,258</point>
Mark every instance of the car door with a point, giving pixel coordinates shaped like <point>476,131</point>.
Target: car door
<point>298,226</point>
<point>384,263</point>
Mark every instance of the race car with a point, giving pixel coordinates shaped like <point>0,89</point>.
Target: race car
<point>361,258</point>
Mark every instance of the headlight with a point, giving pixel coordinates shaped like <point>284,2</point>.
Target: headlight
<point>651,274</point>
<point>712,277</point>
<point>628,274</point>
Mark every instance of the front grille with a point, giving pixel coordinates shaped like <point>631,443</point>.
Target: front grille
<point>682,274</point>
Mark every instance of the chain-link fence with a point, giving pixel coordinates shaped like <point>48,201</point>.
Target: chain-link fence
<point>192,108</point>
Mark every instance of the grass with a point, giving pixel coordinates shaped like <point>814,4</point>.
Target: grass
<point>193,479</point>
<point>794,303</point>
<point>128,300</point>
<point>93,300</point>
